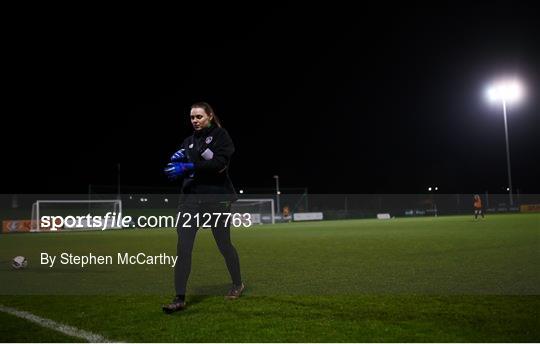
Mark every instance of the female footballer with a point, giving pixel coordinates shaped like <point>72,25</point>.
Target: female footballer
<point>202,166</point>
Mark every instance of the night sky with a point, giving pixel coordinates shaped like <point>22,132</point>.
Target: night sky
<point>338,100</point>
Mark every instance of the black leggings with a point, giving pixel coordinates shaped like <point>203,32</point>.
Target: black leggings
<point>186,239</point>
<point>478,211</point>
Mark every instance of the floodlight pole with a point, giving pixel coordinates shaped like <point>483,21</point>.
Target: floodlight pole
<point>276,177</point>
<point>118,181</point>
<point>507,154</point>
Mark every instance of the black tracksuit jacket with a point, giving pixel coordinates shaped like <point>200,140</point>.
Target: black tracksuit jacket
<point>210,151</point>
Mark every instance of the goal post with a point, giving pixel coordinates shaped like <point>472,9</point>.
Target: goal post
<point>261,209</point>
<point>73,208</point>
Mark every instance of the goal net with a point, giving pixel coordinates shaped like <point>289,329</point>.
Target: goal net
<point>75,214</point>
<point>261,210</point>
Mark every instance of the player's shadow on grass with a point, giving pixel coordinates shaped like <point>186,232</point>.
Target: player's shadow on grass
<point>202,292</point>
<point>195,299</point>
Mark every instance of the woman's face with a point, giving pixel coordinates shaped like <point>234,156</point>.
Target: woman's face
<point>199,118</point>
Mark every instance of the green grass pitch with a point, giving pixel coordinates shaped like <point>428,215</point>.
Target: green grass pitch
<point>445,279</point>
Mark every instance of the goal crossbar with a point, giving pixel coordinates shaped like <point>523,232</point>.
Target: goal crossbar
<point>258,200</point>
<point>117,207</point>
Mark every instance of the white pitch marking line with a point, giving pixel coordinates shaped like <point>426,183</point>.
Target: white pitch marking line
<point>53,325</point>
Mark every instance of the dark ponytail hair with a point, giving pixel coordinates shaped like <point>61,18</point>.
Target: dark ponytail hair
<point>208,109</point>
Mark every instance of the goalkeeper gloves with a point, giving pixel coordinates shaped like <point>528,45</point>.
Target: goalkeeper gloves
<point>174,170</point>
<point>179,156</point>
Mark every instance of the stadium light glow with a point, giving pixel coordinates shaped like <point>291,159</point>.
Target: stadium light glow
<point>506,91</point>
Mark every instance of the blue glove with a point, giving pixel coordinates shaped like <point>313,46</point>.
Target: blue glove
<point>179,156</point>
<point>178,169</point>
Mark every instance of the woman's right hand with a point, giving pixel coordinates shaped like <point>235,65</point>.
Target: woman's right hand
<point>179,156</point>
